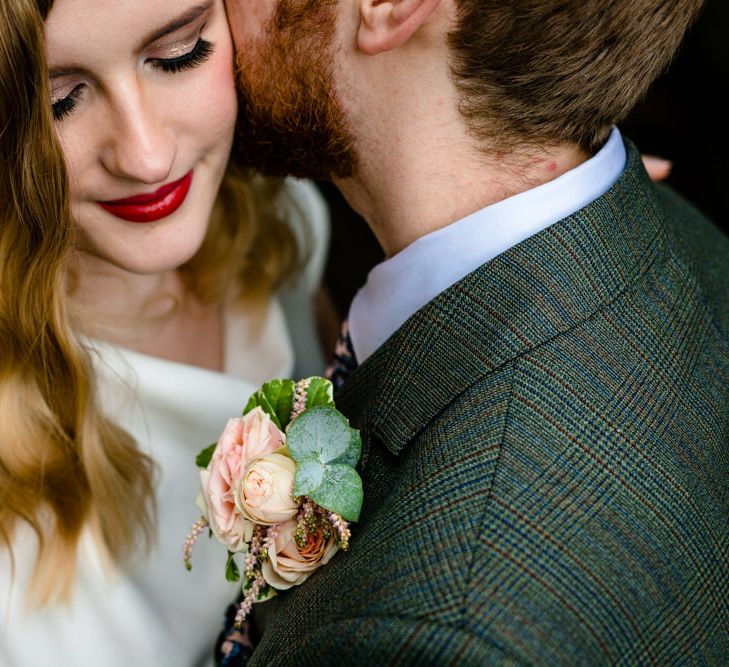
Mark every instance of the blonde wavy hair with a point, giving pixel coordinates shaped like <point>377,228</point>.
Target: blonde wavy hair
<point>63,465</point>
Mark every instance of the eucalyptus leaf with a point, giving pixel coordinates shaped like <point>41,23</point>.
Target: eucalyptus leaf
<point>340,491</point>
<point>276,398</point>
<point>309,475</point>
<point>355,448</point>
<point>203,458</point>
<point>324,433</point>
<point>232,573</point>
<point>320,392</point>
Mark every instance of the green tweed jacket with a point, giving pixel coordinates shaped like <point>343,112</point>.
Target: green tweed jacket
<point>544,459</point>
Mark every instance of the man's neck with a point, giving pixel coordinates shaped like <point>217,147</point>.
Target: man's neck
<point>423,181</point>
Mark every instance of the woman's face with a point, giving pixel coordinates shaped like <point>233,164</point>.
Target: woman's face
<point>144,100</point>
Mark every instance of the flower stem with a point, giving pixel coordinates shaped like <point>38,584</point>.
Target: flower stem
<point>244,608</point>
<point>198,527</point>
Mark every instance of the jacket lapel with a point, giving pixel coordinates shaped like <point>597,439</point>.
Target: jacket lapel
<point>538,289</point>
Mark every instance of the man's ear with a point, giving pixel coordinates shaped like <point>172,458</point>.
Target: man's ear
<point>387,24</point>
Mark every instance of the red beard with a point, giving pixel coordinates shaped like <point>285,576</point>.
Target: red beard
<point>289,119</point>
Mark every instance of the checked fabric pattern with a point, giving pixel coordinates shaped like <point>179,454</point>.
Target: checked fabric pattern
<point>545,449</point>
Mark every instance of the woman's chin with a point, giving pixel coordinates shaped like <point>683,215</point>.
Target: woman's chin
<point>153,258</point>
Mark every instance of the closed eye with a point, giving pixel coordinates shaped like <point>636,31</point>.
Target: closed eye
<point>198,55</point>
<point>64,106</point>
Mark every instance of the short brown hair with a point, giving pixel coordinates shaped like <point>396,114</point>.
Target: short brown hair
<point>555,71</point>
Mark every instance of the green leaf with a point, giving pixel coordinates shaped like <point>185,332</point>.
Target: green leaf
<point>260,400</point>
<point>266,593</point>
<point>203,458</point>
<point>309,475</point>
<point>320,392</point>
<point>355,448</point>
<point>232,573</point>
<point>339,489</point>
<point>276,398</point>
<point>324,433</point>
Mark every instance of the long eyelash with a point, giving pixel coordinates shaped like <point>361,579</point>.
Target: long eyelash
<point>199,54</point>
<point>66,105</point>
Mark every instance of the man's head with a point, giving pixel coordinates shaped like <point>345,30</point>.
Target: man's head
<point>561,70</point>
<point>319,78</point>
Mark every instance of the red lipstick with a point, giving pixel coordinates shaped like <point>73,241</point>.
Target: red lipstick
<point>153,205</point>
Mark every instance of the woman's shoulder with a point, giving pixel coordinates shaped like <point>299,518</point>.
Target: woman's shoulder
<point>301,204</point>
<point>307,213</point>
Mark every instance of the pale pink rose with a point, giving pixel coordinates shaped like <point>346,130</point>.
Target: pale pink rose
<point>243,440</point>
<point>287,565</point>
<point>264,494</point>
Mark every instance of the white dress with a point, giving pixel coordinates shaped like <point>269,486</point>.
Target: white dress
<point>156,613</point>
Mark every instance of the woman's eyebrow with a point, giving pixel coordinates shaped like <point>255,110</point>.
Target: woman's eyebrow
<point>185,19</point>
<point>66,71</point>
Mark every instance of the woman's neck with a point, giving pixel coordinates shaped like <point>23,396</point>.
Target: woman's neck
<point>154,314</point>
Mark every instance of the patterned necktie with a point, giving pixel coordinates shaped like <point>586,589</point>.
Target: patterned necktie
<point>344,361</point>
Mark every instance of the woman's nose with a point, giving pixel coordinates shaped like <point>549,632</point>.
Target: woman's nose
<point>140,144</point>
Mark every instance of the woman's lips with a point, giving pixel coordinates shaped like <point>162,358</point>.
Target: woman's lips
<point>151,206</point>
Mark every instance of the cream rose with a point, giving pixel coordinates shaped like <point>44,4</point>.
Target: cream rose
<point>243,440</point>
<point>288,565</point>
<point>264,493</point>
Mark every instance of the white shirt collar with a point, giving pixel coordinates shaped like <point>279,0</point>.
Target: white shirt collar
<point>401,285</point>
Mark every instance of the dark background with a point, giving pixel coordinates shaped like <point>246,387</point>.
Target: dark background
<point>680,119</point>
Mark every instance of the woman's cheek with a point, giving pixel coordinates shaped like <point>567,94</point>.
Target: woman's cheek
<point>215,99</point>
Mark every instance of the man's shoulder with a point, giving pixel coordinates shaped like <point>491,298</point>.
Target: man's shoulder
<point>611,455</point>
<point>701,247</point>
<point>600,486</point>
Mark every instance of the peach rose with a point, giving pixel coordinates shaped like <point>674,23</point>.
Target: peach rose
<point>243,440</point>
<point>264,494</point>
<point>288,565</point>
